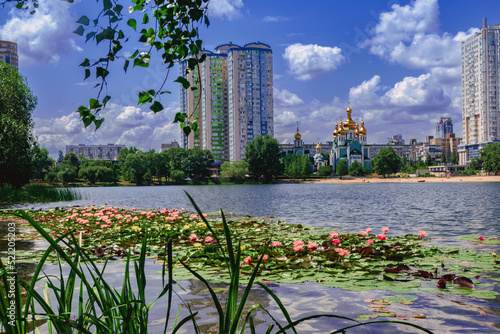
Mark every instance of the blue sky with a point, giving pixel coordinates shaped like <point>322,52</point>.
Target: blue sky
<point>397,62</point>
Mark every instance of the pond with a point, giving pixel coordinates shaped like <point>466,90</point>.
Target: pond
<point>446,211</point>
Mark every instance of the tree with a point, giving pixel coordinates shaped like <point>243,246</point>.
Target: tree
<point>491,157</point>
<point>237,171</point>
<point>297,166</point>
<point>198,162</point>
<point>443,157</point>
<point>71,159</point>
<point>41,162</point>
<point>386,162</point>
<point>325,170</point>
<point>341,169</point>
<point>428,160</point>
<point>476,164</point>
<point>135,167</point>
<point>16,138</point>
<point>355,169</point>
<point>97,171</point>
<point>262,155</point>
<point>454,158</point>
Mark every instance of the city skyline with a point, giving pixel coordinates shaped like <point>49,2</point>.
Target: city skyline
<point>398,62</point>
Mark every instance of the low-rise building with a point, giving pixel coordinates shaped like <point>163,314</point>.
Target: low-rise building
<point>108,152</point>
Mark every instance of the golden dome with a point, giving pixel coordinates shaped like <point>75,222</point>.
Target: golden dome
<point>335,132</point>
<point>349,124</point>
<point>356,130</point>
<point>341,130</point>
<point>318,146</point>
<point>362,131</point>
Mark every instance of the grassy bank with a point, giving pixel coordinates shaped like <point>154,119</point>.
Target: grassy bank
<point>36,193</point>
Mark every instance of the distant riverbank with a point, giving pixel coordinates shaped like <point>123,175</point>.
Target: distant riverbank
<point>495,178</point>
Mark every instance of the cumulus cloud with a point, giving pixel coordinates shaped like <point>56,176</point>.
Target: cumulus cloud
<point>286,98</point>
<point>308,61</point>
<point>409,36</point>
<point>419,92</point>
<point>228,8</point>
<point>43,37</point>
<point>366,93</point>
<point>126,125</point>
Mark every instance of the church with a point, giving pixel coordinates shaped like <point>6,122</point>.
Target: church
<point>349,143</point>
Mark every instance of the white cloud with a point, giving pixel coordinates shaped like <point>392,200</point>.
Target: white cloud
<point>366,93</point>
<point>228,8</point>
<point>419,92</point>
<point>43,37</point>
<point>409,36</point>
<point>275,19</point>
<point>308,61</point>
<point>127,125</point>
<point>286,98</point>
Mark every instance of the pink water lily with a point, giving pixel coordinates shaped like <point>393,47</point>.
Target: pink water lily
<point>342,251</point>
<point>209,239</point>
<point>368,230</point>
<point>364,233</point>
<point>481,238</point>
<point>333,235</point>
<point>382,237</point>
<point>422,233</point>
<point>275,243</point>
<point>336,241</point>
<point>369,241</point>
<point>193,237</point>
<point>298,247</point>
<point>248,260</point>
<point>312,245</point>
<point>385,229</point>
<point>264,258</point>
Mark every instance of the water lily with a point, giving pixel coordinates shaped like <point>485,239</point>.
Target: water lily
<point>193,237</point>
<point>264,258</point>
<point>381,237</point>
<point>209,239</point>
<point>368,230</point>
<point>247,260</point>
<point>342,251</point>
<point>481,238</point>
<point>275,243</point>
<point>333,235</point>
<point>136,228</point>
<point>312,245</point>
<point>298,247</point>
<point>364,233</point>
<point>336,241</point>
<point>422,234</point>
<point>369,241</point>
<point>385,229</point>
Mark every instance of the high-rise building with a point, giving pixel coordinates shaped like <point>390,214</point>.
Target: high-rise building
<point>444,127</point>
<point>235,102</point>
<point>109,152</point>
<point>8,53</point>
<point>480,91</point>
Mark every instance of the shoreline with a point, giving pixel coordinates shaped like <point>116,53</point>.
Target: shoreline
<point>494,178</point>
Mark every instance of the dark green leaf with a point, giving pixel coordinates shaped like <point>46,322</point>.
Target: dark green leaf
<point>83,20</point>
<point>79,31</point>
<point>144,97</point>
<point>125,65</point>
<point>118,9</point>
<point>85,63</point>
<point>180,117</point>
<point>107,4</point>
<point>87,73</point>
<point>156,107</point>
<point>187,130</point>
<point>183,81</point>
<point>145,19</point>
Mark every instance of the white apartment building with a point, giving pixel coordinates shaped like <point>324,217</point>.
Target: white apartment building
<point>8,53</point>
<point>480,91</point>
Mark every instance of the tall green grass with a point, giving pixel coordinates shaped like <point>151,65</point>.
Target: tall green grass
<point>36,193</point>
<point>102,308</point>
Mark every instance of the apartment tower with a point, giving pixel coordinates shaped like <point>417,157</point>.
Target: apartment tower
<point>480,91</point>
<point>235,102</point>
<point>8,53</point>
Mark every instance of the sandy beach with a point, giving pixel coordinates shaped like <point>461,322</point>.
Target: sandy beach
<point>495,178</point>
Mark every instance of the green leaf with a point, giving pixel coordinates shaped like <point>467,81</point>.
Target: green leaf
<point>187,130</point>
<point>194,126</point>
<point>156,107</point>
<point>107,4</point>
<point>145,19</point>
<point>125,65</point>
<point>144,97</point>
<point>183,81</point>
<point>87,73</point>
<point>98,122</point>
<point>83,20</point>
<point>79,31</point>
<point>180,117</point>
<point>132,23</point>
<point>85,63</point>
<point>118,9</point>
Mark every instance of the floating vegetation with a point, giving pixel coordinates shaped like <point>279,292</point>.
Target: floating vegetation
<point>296,253</point>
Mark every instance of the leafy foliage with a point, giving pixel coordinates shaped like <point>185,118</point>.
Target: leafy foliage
<point>491,157</point>
<point>355,169</point>
<point>16,139</point>
<point>325,170</point>
<point>297,166</point>
<point>341,168</point>
<point>236,171</point>
<point>386,162</point>
<point>262,155</point>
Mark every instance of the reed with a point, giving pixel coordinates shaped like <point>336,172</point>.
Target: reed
<point>36,193</point>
